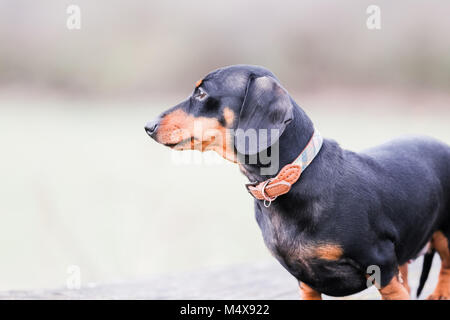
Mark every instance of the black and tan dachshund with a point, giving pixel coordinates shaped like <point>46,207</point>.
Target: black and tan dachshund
<point>333,218</point>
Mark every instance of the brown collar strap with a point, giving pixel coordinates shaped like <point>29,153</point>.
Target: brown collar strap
<point>270,189</point>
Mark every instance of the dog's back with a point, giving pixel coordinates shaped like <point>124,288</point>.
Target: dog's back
<point>415,155</point>
<point>417,171</point>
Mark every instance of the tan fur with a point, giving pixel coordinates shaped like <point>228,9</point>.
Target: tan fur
<point>328,252</point>
<point>228,115</point>
<point>442,290</point>
<point>308,293</point>
<point>394,290</point>
<point>325,251</point>
<point>404,277</point>
<point>305,253</point>
<point>190,133</point>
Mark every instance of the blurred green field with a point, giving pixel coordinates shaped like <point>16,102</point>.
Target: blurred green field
<point>82,184</point>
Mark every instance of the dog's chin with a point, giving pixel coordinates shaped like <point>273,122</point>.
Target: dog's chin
<point>190,143</point>
<point>185,144</point>
<point>178,146</point>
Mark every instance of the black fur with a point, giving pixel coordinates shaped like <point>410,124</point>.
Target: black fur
<point>381,205</point>
<point>427,262</point>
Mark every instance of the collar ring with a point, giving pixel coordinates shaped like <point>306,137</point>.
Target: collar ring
<point>267,200</point>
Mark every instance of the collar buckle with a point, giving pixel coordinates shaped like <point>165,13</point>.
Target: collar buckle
<point>251,184</point>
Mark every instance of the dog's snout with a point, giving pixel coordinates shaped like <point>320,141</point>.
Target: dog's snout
<point>152,127</point>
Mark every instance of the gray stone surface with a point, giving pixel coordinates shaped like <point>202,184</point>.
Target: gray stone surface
<point>266,280</point>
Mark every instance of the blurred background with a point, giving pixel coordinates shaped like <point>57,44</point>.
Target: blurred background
<point>82,184</point>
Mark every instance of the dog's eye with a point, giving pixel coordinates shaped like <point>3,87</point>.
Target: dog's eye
<point>200,95</point>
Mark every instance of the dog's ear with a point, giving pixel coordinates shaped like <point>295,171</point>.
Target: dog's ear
<point>267,105</point>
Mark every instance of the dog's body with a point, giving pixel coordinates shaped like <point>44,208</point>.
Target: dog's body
<point>379,207</point>
<point>348,211</point>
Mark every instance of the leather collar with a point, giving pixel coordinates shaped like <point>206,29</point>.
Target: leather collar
<point>270,189</point>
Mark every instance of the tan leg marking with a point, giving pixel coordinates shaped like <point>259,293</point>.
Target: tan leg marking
<point>442,290</point>
<point>404,274</point>
<point>308,293</point>
<point>394,291</point>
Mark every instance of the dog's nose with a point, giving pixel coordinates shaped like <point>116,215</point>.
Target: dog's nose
<point>152,127</point>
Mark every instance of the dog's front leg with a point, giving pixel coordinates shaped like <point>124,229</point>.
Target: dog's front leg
<point>442,290</point>
<point>308,293</point>
<point>394,290</point>
<point>404,274</point>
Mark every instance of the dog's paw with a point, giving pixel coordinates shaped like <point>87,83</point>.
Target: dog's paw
<point>439,295</point>
<point>442,290</point>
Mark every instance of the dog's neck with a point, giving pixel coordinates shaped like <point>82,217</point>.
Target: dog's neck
<point>291,143</point>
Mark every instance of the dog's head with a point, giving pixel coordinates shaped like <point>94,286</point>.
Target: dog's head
<point>226,109</point>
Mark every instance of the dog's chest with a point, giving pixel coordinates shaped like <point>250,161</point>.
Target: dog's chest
<point>297,249</point>
<point>308,257</point>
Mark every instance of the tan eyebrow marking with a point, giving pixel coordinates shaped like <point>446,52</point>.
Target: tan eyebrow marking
<point>198,83</point>
<point>228,114</point>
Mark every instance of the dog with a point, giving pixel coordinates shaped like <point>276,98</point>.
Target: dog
<point>330,216</point>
